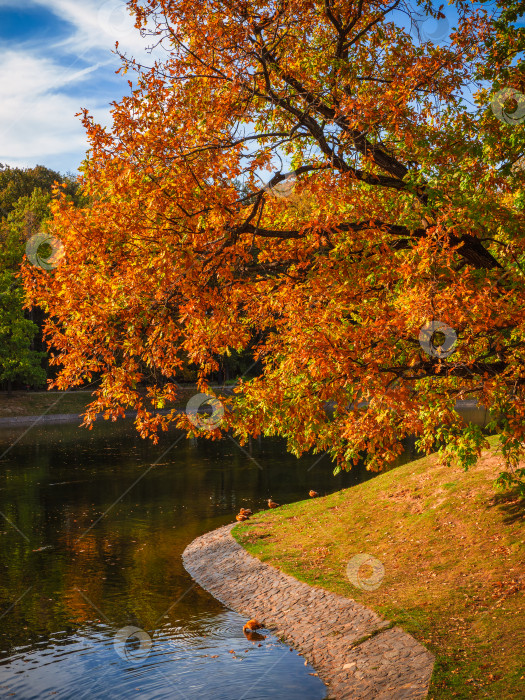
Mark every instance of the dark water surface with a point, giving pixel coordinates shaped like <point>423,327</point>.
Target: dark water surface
<point>91,537</point>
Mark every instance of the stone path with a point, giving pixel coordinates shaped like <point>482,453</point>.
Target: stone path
<point>356,653</point>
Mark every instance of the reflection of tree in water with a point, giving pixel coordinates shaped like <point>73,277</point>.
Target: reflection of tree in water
<point>58,480</point>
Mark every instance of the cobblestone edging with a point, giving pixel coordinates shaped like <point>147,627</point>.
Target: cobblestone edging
<point>356,653</point>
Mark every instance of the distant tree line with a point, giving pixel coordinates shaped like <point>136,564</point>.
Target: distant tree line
<point>25,194</point>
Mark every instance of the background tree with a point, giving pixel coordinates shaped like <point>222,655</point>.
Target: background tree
<point>25,194</point>
<point>18,361</point>
<point>401,215</point>
<point>21,182</point>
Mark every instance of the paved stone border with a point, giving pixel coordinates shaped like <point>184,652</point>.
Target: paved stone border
<point>356,653</point>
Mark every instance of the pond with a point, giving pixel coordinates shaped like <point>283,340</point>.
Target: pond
<point>92,528</point>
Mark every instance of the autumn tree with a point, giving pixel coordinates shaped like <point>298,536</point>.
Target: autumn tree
<point>383,203</point>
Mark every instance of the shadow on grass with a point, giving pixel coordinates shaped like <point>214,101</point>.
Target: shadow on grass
<point>511,504</point>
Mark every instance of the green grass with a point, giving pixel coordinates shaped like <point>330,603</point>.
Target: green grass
<point>453,554</point>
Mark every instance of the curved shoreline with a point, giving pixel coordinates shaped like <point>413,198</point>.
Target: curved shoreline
<point>58,418</point>
<point>73,417</point>
<point>356,653</point>
<point>28,420</point>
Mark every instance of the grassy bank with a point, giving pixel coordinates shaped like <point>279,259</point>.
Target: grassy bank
<point>35,403</point>
<point>453,555</point>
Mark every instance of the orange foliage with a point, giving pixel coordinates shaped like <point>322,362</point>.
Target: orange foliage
<point>400,214</point>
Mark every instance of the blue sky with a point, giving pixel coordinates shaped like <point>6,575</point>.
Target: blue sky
<point>55,59</point>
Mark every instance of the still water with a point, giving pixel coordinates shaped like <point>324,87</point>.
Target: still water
<point>91,537</point>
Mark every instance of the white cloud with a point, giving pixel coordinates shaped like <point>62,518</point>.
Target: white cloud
<point>42,84</point>
<point>101,24</point>
<point>23,74</point>
<point>36,118</point>
<point>98,24</point>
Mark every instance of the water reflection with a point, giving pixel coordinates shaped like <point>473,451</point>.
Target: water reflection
<point>91,540</point>
<point>98,548</point>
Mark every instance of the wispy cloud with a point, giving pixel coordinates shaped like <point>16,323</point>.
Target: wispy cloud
<point>44,83</point>
<point>98,24</point>
<point>37,117</point>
